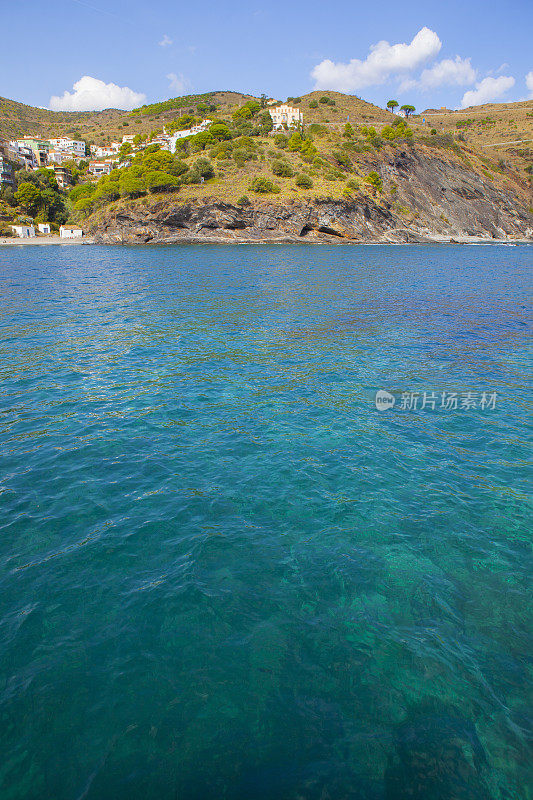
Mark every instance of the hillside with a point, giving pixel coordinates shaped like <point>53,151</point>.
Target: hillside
<point>327,187</point>
<point>103,127</point>
<point>480,127</point>
<point>488,127</point>
<point>437,178</point>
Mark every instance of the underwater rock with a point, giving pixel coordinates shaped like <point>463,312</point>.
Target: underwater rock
<point>316,780</point>
<point>438,757</point>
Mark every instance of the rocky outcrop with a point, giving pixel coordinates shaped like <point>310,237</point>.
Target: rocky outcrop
<point>428,198</point>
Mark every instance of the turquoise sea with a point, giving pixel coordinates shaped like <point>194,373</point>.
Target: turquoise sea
<point>224,574</point>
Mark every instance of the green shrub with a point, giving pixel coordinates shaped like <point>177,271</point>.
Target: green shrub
<point>157,181</point>
<point>354,184</point>
<point>343,159</point>
<point>308,150</point>
<point>131,184</point>
<point>244,201</point>
<point>317,130</point>
<point>304,181</point>
<point>281,141</point>
<point>82,190</point>
<point>264,186</point>
<point>374,180</point>
<point>313,104</point>
<point>83,206</point>
<point>243,154</point>
<point>202,168</point>
<point>295,142</point>
<point>282,169</point>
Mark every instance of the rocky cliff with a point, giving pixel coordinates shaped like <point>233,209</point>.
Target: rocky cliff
<point>427,197</point>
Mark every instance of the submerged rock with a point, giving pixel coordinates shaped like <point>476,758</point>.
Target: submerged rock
<point>438,757</point>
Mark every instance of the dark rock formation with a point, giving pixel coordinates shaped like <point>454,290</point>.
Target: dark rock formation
<point>432,197</point>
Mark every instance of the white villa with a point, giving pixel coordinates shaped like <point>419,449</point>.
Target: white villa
<point>286,116</point>
<point>44,227</point>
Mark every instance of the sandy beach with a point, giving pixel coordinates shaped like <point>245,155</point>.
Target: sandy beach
<point>38,240</point>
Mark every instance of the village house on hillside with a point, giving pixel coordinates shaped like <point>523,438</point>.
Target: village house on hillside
<point>100,167</point>
<point>6,172</point>
<point>286,116</point>
<point>39,147</point>
<point>73,147</point>
<point>202,126</point>
<point>63,177</point>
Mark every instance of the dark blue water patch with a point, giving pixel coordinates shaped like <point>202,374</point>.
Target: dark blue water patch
<point>224,573</point>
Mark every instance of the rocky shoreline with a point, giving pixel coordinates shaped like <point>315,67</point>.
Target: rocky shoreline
<point>428,198</point>
<point>332,222</point>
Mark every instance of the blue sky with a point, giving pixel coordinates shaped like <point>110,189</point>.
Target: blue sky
<point>437,52</point>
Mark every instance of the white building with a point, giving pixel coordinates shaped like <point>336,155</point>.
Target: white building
<point>70,232</point>
<point>129,138</point>
<point>23,231</point>
<point>100,167</point>
<point>286,116</point>
<point>44,227</point>
<point>58,156</point>
<point>106,151</point>
<point>24,155</point>
<point>66,145</point>
<point>164,142</point>
<point>202,126</point>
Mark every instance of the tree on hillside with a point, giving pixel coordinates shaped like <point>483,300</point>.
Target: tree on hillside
<point>266,123</point>
<point>220,131</point>
<point>242,113</point>
<point>408,110</point>
<point>124,151</point>
<point>28,197</point>
<point>392,104</point>
<point>202,168</point>
<point>254,106</point>
<point>131,185</point>
<point>157,181</point>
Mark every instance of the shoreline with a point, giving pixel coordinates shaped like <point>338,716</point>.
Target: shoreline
<point>44,240</point>
<point>88,240</point>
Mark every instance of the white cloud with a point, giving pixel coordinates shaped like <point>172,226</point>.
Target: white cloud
<point>91,94</point>
<point>383,61</point>
<point>178,83</point>
<point>488,90</point>
<point>166,41</point>
<point>502,67</point>
<point>529,82</point>
<point>449,72</point>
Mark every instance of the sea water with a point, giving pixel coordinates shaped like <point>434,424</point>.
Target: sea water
<point>224,573</point>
